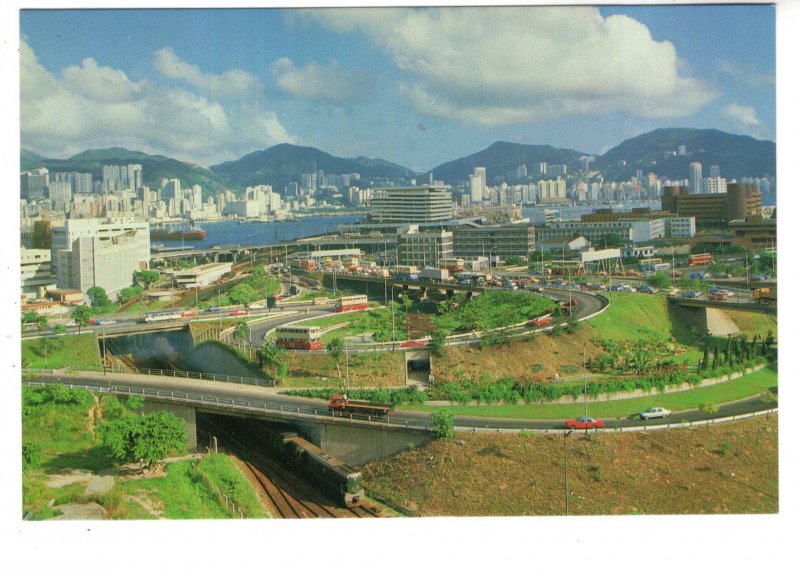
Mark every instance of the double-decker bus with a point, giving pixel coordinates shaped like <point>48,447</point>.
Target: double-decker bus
<point>351,303</point>
<point>567,267</point>
<point>700,260</point>
<point>298,337</point>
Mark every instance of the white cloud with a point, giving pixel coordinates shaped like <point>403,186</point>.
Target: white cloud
<point>91,106</point>
<point>503,65</point>
<point>328,83</point>
<point>231,83</point>
<point>742,114</point>
<point>748,74</point>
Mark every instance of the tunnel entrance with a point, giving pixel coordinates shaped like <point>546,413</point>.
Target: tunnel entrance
<point>418,368</point>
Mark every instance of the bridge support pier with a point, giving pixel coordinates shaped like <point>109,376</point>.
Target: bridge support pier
<point>707,319</point>
<point>187,413</point>
<point>358,445</point>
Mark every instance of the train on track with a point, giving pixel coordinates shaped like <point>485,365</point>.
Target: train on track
<point>341,480</point>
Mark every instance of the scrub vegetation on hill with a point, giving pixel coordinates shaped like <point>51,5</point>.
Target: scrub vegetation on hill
<point>721,469</point>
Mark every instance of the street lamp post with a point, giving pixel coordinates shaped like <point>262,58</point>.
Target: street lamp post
<point>566,479</point>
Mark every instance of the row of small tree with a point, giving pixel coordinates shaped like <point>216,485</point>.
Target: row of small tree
<point>735,351</point>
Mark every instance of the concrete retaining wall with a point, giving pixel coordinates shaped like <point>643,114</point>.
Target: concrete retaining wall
<point>358,445</point>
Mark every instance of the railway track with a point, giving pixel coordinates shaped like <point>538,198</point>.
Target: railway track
<point>288,495</point>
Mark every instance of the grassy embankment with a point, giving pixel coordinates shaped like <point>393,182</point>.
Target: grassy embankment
<point>61,351</point>
<point>629,317</point>
<point>71,454</point>
<point>726,468</point>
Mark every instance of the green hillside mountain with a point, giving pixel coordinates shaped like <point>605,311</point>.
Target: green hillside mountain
<point>737,155</point>
<point>284,163</point>
<point>501,160</point>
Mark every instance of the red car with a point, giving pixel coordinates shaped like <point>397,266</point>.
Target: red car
<point>583,422</point>
<point>239,313</point>
<point>413,344</point>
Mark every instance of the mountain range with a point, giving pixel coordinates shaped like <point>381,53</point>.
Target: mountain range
<point>737,156</point>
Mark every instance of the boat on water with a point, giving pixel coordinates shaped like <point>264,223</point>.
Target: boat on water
<point>176,232</point>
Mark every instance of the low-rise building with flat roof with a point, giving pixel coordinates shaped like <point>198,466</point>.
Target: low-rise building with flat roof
<point>201,276</point>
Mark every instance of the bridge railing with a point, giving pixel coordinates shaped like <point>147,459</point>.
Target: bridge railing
<point>246,405</point>
<point>161,372</point>
<point>209,376</point>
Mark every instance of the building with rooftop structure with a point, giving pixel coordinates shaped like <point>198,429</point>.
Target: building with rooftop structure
<point>411,205</point>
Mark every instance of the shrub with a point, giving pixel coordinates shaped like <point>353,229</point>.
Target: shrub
<point>444,423</point>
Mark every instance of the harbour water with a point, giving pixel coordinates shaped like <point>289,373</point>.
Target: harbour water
<point>230,232</point>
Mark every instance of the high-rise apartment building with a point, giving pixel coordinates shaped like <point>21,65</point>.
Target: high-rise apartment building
<point>33,184</point>
<point>713,171</point>
<point>714,185</point>
<point>695,178</point>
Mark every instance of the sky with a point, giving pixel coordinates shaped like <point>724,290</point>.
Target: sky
<point>415,86</point>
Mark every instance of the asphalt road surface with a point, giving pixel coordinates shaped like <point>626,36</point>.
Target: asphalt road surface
<point>261,397</point>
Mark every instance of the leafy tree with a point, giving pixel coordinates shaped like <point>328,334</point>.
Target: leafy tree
<point>134,402</point>
<point>128,293</point>
<point>335,349</point>
<point>31,456</point>
<point>243,294</point>
<point>44,348</point>
<point>241,331</point>
<point>98,296</point>
<point>444,423</point>
<point>436,343</point>
<point>269,353</point>
<point>147,277</point>
<point>81,315</point>
<point>147,439</point>
<point>704,362</point>
<point>60,329</point>
<point>29,317</point>
<point>708,408</point>
<point>659,280</point>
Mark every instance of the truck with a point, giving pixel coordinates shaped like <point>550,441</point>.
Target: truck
<point>765,295</point>
<point>439,274</point>
<point>341,404</point>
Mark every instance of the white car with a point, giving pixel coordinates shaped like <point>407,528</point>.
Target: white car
<point>654,412</point>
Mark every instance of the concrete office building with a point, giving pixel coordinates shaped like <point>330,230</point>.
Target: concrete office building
<point>423,248</point>
<point>755,232</point>
<point>99,252</point>
<point>740,201</point>
<point>472,240</point>
<point>35,273</point>
<point>411,205</point>
<point>201,276</point>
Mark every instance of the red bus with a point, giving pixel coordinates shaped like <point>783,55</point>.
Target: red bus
<point>352,303</point>
<point>700,260</point>
<point>305,338</point>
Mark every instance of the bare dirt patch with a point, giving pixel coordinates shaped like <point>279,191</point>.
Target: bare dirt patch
<point>68,477</point>
<point>542,356</point>
<point>727,468</point>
